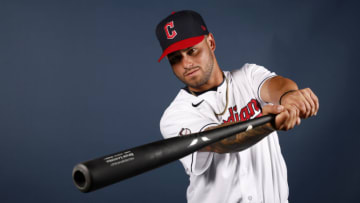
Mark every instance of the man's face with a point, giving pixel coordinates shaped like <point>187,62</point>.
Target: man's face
<point>193,65</point>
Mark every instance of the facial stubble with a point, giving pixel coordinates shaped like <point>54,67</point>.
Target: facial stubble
<point>205,77</point>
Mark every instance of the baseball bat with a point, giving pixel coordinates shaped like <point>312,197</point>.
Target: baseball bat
<point>97,173</point>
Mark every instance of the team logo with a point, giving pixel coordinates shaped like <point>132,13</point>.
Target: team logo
<point>185,131</point>
<point>167,27</point>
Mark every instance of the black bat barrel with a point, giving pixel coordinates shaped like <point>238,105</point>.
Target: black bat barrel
<point>106,170</point>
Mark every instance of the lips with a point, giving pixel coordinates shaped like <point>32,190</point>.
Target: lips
<point>191,72</point>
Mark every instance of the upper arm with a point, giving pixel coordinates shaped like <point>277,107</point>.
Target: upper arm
<point>265,91</point>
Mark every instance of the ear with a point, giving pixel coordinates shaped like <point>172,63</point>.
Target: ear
<point>211,41</point>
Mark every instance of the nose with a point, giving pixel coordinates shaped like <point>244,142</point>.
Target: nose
<point>187,61</point>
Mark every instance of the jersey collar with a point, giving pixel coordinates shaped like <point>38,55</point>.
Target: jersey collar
<point>186,88</point>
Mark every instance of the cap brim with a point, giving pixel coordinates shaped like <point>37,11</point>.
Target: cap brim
<point>183,44</point>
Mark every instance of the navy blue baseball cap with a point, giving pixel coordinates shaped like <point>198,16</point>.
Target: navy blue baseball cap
<point>180,30</point>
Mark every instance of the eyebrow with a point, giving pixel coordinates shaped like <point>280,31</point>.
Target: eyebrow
<point>187,49</point>
<point>184,50</point>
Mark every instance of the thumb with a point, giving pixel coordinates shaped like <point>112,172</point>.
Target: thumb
<point>272,109</point>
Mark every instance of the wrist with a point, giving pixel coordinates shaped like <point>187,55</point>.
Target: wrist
<point>285,93</point>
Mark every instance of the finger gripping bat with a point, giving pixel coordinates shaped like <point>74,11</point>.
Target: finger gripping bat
<point>100,172</point>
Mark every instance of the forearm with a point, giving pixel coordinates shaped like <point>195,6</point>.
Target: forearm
<point>240,141</point>
<point>275,87</point>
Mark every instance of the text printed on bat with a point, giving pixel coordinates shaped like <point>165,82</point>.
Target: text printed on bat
<point>119,158</point>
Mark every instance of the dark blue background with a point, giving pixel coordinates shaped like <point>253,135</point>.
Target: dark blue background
<point>80,79</point>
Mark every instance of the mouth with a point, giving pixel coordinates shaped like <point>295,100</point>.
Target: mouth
<point>191,72</point>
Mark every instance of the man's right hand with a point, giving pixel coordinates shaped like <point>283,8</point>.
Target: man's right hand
<point>287,116</point>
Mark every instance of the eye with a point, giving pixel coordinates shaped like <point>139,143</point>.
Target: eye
<point>174,59</point>
<point>191,51</point>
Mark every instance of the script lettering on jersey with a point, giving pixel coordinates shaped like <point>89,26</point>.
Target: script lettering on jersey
<point>251,110</point>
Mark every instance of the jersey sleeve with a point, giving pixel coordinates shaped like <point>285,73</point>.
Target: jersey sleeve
<point>256,76</point>
<point>177,121</point>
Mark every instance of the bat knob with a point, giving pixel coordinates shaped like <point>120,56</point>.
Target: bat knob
<point>81,177</point>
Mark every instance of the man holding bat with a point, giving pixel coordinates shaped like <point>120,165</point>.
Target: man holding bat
<point>247,167</point>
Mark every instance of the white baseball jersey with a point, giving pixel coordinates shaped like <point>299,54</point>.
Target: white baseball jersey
<point>257,174</point>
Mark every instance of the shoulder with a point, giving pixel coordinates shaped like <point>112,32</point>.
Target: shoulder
<point>246,69</point>
<point>181,114</point>
<point>251,73</point>
<point>242,75</point>
<point>181,103</point>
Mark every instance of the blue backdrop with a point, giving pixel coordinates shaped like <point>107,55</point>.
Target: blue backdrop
<point>80,79</point>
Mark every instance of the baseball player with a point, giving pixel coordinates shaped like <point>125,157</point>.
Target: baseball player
<point>249,166</point>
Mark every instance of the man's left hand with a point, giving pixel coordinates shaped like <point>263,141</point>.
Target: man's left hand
<point>304,100</point>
